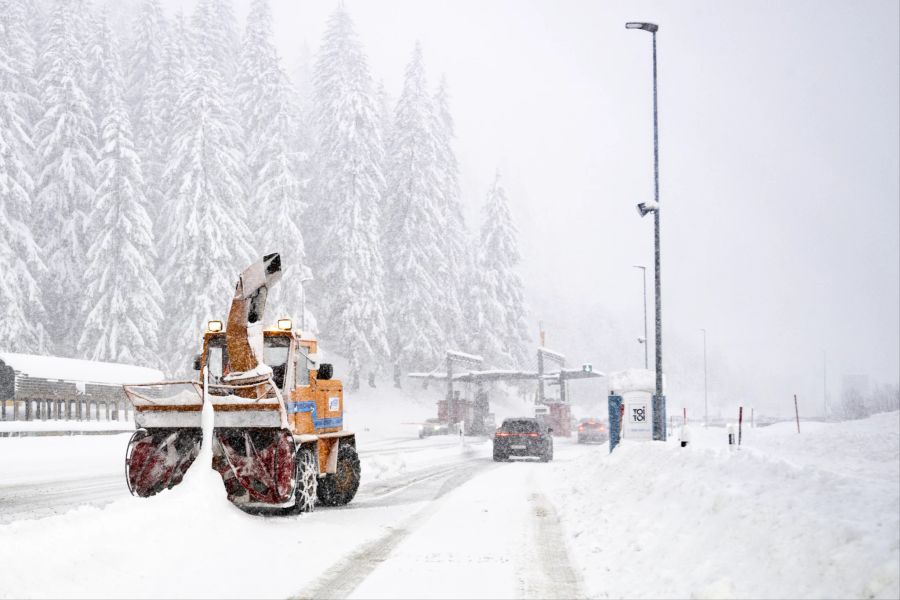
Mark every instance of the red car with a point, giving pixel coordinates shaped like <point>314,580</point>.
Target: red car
<point>592,431</point>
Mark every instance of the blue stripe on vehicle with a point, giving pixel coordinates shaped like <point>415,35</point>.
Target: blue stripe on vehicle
<point>310,407</point>
<point>304,406</point>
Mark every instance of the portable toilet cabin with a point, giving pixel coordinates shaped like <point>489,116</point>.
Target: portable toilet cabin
<point>631,405</point>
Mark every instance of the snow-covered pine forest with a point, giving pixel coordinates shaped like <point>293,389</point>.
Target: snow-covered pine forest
<point>140,170</point>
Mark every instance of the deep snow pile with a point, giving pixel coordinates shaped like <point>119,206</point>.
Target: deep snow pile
<point>72,369</point>
<point>61,425</point>
<point>787,515</point>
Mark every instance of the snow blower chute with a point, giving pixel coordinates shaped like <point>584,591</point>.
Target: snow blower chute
<point>278,439</point>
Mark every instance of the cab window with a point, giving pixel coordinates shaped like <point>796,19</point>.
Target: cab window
<point>215,362</point>
<point>275,354</point>
<point>301,367</point>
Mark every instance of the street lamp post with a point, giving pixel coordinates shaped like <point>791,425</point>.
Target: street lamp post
<point>645,342</point>
<point>659,400</point>
<point>705,397</point>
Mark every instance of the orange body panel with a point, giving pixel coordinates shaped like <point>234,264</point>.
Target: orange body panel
<point>327,395</point>
<point>313,409</point>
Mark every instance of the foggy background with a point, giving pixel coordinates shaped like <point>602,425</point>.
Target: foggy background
<point>778,174</point>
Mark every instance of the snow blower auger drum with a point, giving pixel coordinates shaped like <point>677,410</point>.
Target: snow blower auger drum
<point>168,437</point>
<point>278,439</point>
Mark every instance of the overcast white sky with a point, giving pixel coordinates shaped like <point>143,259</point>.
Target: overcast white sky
<point>779,171</point>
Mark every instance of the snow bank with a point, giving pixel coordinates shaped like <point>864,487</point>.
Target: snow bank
<point>71,369</point>
<point>51,458</point>
<point>811,515</point>
<point>60,425</point>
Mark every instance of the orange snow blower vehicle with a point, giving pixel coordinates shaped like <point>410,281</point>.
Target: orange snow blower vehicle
<point>278,437</point>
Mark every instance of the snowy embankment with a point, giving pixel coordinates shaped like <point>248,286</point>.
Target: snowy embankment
<point>805,516</point>
<point>34,459</point>
<point>64,426</point>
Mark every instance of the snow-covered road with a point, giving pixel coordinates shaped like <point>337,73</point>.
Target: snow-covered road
<point>434,517</point>
<point>67,472</point>
<point>487,531</point>
<point>35,500</point>
<point>807,516</point>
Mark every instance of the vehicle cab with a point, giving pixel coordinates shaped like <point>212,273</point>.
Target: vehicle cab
<point>313,401</point>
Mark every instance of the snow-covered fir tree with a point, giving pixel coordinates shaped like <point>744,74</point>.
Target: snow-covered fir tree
<point>456,249</point>
<point>385,109</point>
<point>204,234</point>
<point>275,192</point>
<point>21,319</point>
<point>414,228</point>
<point>121,298</point>
<point>166,88</point>
<point>21,302</point>
<point>304,141</point>
<point>66,156</point>
<point>500,330</point>
<point>216,27</point>
<point>148,96</point>
<point>347,196</point>
<point>102,66</point>
<point>18,53</point>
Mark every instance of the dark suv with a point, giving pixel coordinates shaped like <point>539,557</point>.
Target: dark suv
<point>523,437</point>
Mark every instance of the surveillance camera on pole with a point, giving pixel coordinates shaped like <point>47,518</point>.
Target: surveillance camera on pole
<point>644,208</point>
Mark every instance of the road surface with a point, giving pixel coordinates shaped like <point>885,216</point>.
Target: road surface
<point>433,518</point>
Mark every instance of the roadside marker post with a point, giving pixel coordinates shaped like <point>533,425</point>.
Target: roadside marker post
<point>616,420</point>
<point>797,413</point>
<point>740,423</point>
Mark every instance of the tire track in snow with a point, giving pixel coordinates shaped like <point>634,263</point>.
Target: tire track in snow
<point>343,578</point>
<point>414,447</point>
<point>47,498</point>
<point>554,577</point>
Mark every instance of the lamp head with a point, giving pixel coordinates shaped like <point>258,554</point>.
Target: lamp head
<point>646,207</point>
<point>651,27</point>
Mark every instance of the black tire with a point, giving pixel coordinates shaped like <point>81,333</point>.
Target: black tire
<point>339,488</point>
<point>498,457</point>
<point>306,478</point>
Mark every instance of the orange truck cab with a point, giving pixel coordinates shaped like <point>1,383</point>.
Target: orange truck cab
<point>314,402</point>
